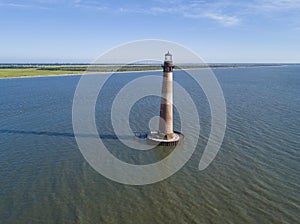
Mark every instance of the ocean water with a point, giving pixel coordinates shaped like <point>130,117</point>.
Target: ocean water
<point>254,178</point>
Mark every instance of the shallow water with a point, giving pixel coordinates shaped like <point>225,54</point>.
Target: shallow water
<point>254,178</point>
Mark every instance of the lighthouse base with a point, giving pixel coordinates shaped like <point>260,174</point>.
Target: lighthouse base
<point>155,138</point>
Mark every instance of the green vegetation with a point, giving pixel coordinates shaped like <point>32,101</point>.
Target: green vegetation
<point>23,70</point>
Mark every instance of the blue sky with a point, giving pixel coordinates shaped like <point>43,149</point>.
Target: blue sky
<point>218,30</point>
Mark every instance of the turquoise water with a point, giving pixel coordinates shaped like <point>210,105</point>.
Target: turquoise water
<point>254,178</point>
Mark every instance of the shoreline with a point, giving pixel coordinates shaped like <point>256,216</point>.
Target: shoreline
<point>74,74</point>
<point>134,71</point>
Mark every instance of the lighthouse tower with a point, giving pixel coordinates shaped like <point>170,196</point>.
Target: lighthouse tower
<point>166,135</point>
<point>166,105</point>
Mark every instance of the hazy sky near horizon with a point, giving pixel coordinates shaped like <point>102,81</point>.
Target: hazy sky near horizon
<point>217,30</point>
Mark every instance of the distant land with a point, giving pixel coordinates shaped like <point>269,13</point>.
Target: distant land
<point>8,70</point>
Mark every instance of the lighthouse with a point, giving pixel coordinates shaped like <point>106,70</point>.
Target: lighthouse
<point>165,135</point>
<point>166,105</point>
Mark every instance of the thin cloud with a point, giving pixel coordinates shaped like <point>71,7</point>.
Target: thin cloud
<point>193,10</point>
<point>225,20</point>
<point>90,5</point>
<point>280,5</point>
<point>22,6</point>
<point>226,13</point>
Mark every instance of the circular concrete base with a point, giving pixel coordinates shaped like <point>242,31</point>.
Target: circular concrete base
<point>156,139</point>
